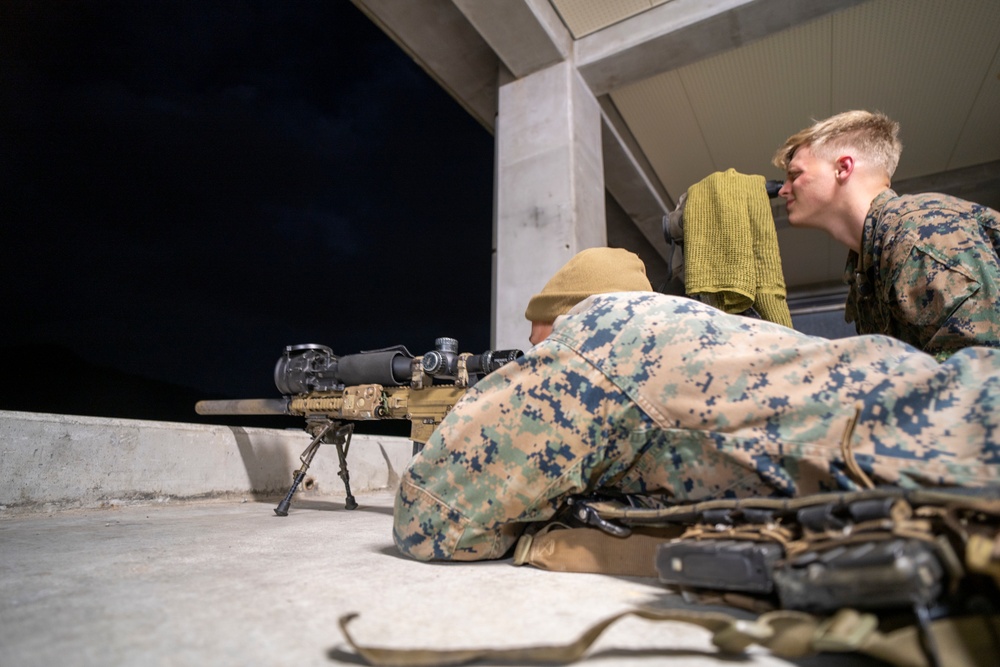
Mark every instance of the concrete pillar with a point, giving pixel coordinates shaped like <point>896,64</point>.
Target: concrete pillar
<point>549,189</point>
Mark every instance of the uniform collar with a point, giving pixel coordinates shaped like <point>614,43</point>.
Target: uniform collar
<point>871,222</point>
<point>858,271</point>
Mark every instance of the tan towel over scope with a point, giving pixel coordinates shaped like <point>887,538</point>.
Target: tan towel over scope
<point>731,255</point>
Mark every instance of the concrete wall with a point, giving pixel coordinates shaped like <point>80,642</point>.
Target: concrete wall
<point>50,462</point>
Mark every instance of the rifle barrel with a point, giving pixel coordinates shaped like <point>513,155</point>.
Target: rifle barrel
<point>243,406</point>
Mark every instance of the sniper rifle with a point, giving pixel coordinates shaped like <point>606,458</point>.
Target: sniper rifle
<point>332,392</point>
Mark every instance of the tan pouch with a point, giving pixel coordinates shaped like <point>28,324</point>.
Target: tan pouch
<point>559,548</point>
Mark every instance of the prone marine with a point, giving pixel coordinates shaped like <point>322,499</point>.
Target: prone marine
<point>635,392</point>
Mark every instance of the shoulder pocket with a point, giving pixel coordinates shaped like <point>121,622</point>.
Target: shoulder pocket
<point>930,286</point>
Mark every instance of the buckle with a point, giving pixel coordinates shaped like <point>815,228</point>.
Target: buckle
<point>736,636</point>
<point>844,631</point>
<point>522,549</point>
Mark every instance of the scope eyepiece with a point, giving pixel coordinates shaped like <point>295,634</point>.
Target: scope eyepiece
<point>491,360</point>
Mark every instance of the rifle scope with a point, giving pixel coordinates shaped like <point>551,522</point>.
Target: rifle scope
<point>310,367</point>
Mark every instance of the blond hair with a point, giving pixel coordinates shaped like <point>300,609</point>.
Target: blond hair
<point>872,134</point>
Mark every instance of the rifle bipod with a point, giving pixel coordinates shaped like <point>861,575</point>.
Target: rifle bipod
<point>327,432</point>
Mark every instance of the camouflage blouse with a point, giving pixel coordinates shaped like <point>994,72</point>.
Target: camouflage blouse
<point>928,273</point>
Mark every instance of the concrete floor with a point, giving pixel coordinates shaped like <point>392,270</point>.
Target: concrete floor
<point>229,583</point>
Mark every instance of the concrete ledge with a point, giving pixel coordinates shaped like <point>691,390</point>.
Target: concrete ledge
<point>50,462</point>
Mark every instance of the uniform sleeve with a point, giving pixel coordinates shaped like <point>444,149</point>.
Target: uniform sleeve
<point>507,454</point>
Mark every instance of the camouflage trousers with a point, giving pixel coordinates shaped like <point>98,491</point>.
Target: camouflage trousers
<point>652,394</point>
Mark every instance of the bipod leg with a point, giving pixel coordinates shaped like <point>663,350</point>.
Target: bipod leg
<point>306,459</point>
<point>342,439</point>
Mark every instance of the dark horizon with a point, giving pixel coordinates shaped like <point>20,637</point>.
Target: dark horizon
<point>193,186</point>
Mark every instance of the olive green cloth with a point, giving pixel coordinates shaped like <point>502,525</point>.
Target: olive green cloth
<point>731,254</point>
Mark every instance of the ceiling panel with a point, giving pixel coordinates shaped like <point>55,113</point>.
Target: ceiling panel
<point>979,141</point>
<point>920,61</point>
<point>660,116</point>
<point>744,104</point>
<point>583,17</point>
<point>730,110</point>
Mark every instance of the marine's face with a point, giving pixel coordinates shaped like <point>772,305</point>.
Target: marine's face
<point>809,188</point>
<point>539,332</point>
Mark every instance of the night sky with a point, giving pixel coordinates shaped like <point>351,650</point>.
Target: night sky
<point>187,187</point>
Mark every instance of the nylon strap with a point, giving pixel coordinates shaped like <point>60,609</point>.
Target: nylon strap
<point>967,641</point>
<point>732,635</point>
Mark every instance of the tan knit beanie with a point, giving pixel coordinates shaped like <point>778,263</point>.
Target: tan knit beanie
<point>591,271</point>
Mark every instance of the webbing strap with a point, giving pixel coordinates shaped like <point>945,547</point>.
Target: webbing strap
<point>730,634</point>
<point>967,641</point>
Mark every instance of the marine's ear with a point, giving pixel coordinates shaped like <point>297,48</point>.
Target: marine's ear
<point>843,167</point>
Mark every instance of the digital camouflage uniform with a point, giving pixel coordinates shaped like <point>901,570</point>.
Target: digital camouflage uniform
<point>655,394</point>
<point>928,273</point>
